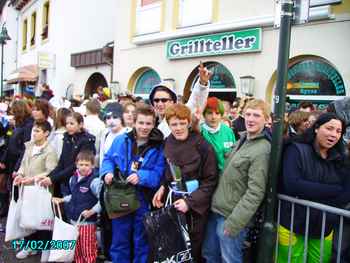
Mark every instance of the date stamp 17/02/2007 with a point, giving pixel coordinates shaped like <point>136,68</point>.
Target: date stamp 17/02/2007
<point>43,244</point>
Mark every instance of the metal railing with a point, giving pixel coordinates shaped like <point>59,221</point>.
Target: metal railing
<point>308,205</point>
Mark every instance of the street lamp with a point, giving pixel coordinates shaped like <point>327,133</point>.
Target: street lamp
<point>247,85</point>
<point>3,38</point>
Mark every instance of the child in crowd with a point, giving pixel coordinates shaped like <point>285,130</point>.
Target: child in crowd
<point>56,139</point>
<point>84,188</point>
<point>38,161</point>
<point>129,110</point>
<point>217,133</point>
<point>75,140</point>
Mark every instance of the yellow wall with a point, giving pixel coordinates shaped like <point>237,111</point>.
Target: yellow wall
<point>344,7</point>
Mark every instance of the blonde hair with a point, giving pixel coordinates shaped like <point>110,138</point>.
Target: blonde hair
<point>258,104</point>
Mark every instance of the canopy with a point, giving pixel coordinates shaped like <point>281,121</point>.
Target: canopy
<point>26,73</point>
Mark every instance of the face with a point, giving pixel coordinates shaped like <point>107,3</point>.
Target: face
<point>84,167</point>
<point>254,121</point>
<point>114,123</point>
<point>73,126</point>
<point>328,134</point>
<point>303,126</point>
<point>234,112</point>
<point>39,135</point>
<point>312,119</point>
<point>161,101</point>
<point>129,115</point>
<point>212,118</point>
<point>143,126</point>
<point>38,115</point>
<point>179,128</point>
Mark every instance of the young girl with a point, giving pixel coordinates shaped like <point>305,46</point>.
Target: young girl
<point>56,139</point>
<point>75,139</point>
<point>129,115</point>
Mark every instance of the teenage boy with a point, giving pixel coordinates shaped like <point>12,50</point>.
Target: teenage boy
<point>138,155</point>
<point>241,189</point>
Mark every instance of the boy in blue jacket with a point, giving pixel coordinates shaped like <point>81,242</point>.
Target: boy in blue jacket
<point>139,156</point>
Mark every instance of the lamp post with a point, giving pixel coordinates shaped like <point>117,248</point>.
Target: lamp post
<point>247,85</point>
<point>3,38</point>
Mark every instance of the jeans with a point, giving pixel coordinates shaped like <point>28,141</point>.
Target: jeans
<point>219,248</point>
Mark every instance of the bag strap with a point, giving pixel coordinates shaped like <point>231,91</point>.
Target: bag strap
<point>58,210</point>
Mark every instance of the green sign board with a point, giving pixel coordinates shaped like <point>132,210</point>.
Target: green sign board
<point>218,44</point>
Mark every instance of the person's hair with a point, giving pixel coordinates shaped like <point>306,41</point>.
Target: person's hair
<point>296,118</point>
<point>76,116</point>
<point>146,110</point>
<point>243,103</point>
<point>309,136</point>
<point>125,107</point>
<point>43,125</point>
<point>45,86</point>
<point>179,111</point>
<point>93,106</point>
<point>261,105</point>
<point>43,106</point>
<point>60,119</point>
<point>306,104</point>
<point>85,155</point>
<point>21,111</point>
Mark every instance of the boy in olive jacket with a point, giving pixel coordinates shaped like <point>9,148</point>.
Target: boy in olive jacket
<point>241,189</point>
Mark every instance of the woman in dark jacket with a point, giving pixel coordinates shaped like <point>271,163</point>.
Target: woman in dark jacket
<point>75,140</point>
<point>196,159</point>
<point>312,170</point>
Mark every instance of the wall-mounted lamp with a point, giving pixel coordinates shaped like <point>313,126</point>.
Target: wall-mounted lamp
<point>247,85</point>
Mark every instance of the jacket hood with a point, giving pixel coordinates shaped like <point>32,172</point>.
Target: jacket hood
<point>266,133</point>
<point>155,138</point>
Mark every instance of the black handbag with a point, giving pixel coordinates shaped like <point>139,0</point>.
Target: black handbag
<point>120,197</point>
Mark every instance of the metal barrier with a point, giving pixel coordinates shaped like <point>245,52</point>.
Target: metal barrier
<point>308,204</point>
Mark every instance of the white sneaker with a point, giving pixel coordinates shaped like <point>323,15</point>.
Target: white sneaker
<point>24,253</point>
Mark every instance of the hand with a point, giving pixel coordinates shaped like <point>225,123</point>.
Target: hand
<point>18,180</point>
<point>204,74</point>
<point>133,179</point>
<point>157,198</point>
<point>181,206</point>
<point>2,166</point>
<point>227,232</point>
<point>14,174</point>
<point>39,178</point>
<point>108,178</point>
<point>28,180</point>
<point>57,200</point>
<point>45,182</point>
<point>87,213</point>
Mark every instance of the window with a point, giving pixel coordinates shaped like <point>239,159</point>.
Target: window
<point>145,82</point>
<point>195,12</point>
<point>46,17</point>
<point>148,16</point>
<point>24,34</point>
<point>33,29</point>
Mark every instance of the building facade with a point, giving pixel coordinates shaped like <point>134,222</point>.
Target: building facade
<point>237,40</point>
<point>60,41</point>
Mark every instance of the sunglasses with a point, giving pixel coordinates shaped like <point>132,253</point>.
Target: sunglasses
<point>156,100</point>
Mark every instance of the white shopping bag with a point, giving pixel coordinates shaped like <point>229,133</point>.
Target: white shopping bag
<point>36,212</point>
<point>66,233</point>
<point>13,229</point>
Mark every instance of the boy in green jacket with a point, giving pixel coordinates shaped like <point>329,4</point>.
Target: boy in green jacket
<point>241,189</point>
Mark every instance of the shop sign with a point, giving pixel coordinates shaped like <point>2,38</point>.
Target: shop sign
<point>314,77</point>
<point>218,44</point>
<point>46,60</point>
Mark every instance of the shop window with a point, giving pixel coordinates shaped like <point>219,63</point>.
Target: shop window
<point>195,12</point>
<point>46,17</point>
<point>313,79</point>
<point>33,29</point>
<point>148,16</point>
<point>146,81</point>
<point>24,34</point>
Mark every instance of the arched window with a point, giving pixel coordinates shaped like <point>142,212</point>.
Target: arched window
<point>145,82</point>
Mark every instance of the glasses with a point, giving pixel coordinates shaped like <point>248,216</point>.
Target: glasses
<point>164,100</point>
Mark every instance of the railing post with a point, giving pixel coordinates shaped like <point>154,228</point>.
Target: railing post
<point>268,239</point>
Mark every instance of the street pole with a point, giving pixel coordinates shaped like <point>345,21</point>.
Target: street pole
<point>268,238</point>
<point>2,69</point>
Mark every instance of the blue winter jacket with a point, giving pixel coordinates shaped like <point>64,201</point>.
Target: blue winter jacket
<point>121,155</point>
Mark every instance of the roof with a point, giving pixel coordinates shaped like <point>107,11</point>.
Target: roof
<point>26,73</point>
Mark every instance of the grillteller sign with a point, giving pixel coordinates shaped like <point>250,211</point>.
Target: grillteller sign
<point>218,44</point>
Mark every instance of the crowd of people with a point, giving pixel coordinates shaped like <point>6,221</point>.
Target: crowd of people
<point>221,148</point>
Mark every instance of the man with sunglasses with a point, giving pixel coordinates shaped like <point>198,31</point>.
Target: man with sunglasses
<point>162,96</point>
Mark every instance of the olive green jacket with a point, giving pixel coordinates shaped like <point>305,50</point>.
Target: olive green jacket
<point>242,185</point>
